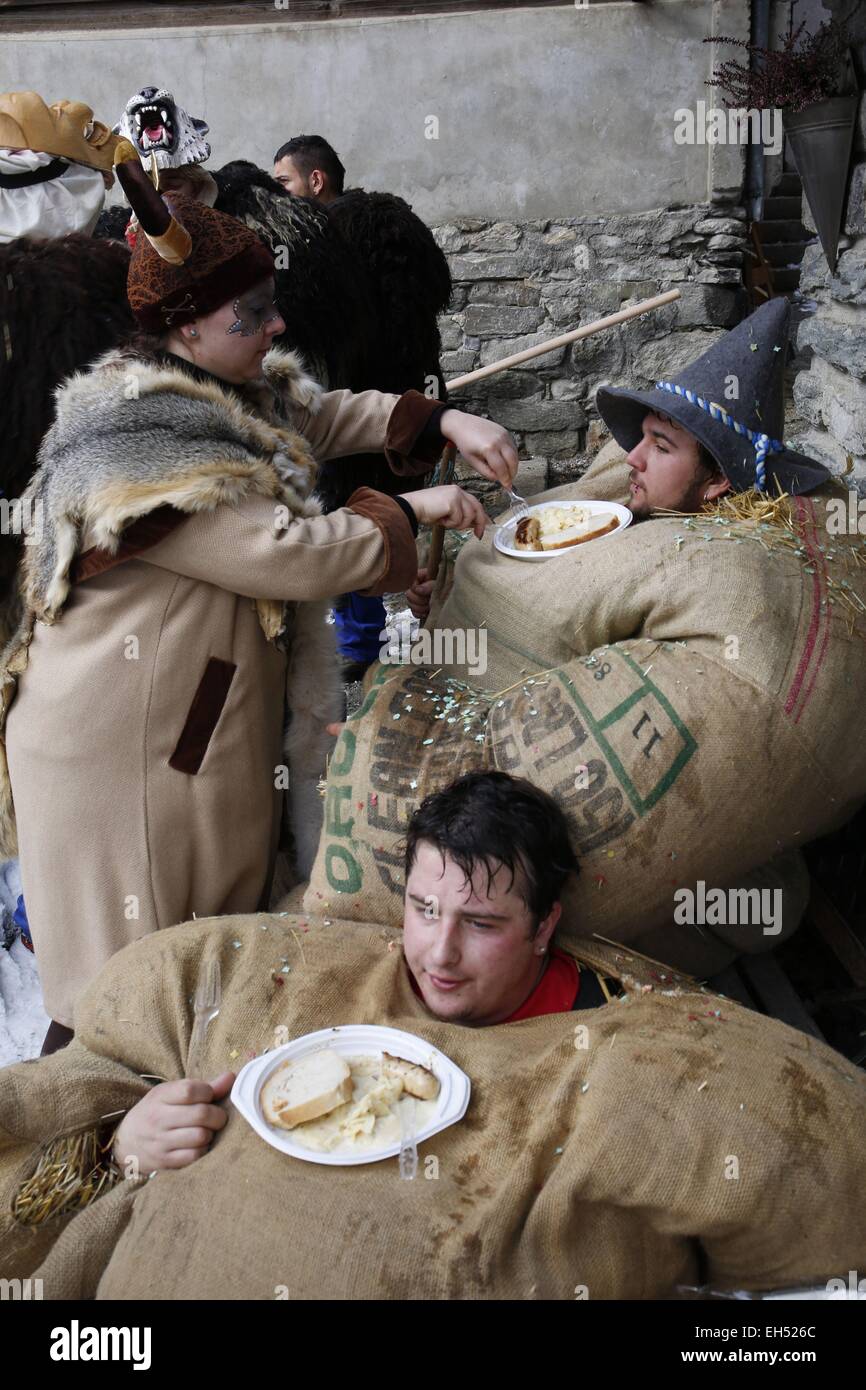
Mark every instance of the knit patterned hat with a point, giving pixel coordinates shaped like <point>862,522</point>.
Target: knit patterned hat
<point>225,260</point>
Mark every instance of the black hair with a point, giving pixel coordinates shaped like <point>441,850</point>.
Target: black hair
<point>493,819</point>
<point>708,462</point>
<point>309,152</point>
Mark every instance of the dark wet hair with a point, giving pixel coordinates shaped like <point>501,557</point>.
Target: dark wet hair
<point>309,152</point>
<point>493,819</point>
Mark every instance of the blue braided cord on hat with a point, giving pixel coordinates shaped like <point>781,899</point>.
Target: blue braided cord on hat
<point>763,443</point>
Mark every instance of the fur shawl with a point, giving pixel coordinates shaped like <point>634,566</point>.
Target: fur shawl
<point>135,433</point>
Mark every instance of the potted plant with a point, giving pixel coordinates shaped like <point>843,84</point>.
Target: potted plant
<point>810,78</point>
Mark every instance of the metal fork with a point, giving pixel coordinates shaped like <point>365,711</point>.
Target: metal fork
<point>206,1006</point>
<point>520,504</point>
<point>408,1159</point>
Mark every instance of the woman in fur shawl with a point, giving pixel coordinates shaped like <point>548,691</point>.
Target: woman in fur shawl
<point>175,598</point>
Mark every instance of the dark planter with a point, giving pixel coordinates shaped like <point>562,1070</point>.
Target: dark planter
<point>820,138</point>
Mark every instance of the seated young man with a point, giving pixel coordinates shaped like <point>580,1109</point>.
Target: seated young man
<point>486,862</point>
<point>666,1138</point>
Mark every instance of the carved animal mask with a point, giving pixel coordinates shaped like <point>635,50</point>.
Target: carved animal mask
<point>158,127</point>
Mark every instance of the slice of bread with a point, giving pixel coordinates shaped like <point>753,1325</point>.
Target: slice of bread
<point>597,525</point>
<point>306,1088</point>
<point>417,1080</point>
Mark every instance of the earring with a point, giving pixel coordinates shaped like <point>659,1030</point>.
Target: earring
<point>193,332</point>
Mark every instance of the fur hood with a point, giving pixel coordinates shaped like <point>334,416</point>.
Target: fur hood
<point>136,432</point>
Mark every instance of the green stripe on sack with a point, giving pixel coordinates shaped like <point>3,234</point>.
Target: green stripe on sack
<point>641,804</point>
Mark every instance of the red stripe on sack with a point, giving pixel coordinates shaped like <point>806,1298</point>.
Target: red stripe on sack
<point>812,635</point>
<point>821,575</point>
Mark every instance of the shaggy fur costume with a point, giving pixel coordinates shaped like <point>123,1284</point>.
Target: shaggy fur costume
<point>409,284</point>
<point>321,289</point>
<point>62,304</point>
<point>135,434</point>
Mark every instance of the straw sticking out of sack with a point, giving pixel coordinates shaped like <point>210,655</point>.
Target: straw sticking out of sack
<point>72,1172</point>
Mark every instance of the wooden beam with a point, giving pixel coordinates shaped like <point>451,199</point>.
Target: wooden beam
<point>768,981</point>
<point>116,14</point>
<point>836,934</point>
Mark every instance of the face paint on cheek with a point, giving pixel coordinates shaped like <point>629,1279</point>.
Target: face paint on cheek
<point>252,312</point>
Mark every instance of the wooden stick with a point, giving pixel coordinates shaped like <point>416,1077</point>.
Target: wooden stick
<point>574,336</point>
<point>437,535</point>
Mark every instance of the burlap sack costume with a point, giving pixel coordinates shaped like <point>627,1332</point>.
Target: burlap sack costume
<point>676,1129</point>
<point>696,723</point>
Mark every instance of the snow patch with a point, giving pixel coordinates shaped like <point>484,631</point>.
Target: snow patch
<point>23,1020</point>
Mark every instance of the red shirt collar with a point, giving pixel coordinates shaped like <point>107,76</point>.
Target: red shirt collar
<point>555,993</point>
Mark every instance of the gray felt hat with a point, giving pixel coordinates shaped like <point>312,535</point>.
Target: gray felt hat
<point>732,400</point>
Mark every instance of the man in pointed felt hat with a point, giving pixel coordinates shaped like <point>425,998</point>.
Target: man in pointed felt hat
<point>714,427</point>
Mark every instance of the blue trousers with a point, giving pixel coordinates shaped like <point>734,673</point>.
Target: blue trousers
<point>359,622</point>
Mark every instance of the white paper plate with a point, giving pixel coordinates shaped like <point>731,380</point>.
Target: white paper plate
<point>352,1040</point>
<point>503,537</point>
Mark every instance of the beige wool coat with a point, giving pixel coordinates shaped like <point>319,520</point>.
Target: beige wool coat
<point>174,607</point>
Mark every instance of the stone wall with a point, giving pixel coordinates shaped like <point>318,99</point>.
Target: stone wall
<point>830,387</point>
<point>517,284</point>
